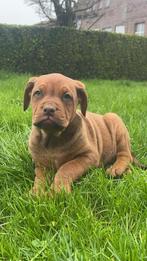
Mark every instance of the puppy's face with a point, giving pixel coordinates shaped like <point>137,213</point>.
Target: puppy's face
<point>54,99</point>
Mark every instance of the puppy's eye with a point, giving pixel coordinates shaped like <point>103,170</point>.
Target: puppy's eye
<point>67,97</point>
<point>38,93</point>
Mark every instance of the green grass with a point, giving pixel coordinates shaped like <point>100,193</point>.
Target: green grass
<point>103,219</point>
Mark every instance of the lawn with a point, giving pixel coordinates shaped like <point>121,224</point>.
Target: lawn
<point>103,219</point>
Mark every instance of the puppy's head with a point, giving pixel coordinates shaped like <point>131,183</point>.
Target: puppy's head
<point>54,99</point>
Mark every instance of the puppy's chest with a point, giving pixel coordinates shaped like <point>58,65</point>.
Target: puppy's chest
<point>50,157</point>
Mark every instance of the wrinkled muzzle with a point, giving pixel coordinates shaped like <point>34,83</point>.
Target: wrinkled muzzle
<point>50,115</point>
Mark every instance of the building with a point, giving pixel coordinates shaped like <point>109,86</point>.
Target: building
<point>120,16</point>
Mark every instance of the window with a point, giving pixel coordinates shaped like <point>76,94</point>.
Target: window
<point>139,29</point>
<point>101,4</point>
<point>94,7</point>
<point>107,29</point>
<point>96,29</point>
<point>120,29</point>
<point>107,3</point>
<point>79,22</point>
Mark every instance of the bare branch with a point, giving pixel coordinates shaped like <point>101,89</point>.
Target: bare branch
<point>88,7</point>
<point>42,7</point>
<point>95,21</point>
<point>64,12</point>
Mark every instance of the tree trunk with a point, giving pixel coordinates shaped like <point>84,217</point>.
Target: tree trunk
<point>65,16</point>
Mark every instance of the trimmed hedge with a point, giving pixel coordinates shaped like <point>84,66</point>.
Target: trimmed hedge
<point>79,54</point>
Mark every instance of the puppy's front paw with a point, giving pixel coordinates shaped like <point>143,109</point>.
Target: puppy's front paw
<point>59,185</point>
<point>37,190</point>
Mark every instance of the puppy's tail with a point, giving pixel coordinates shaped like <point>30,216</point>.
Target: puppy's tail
<point>137,163</point>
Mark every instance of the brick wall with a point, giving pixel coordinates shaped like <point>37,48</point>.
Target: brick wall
<point>126,12</point>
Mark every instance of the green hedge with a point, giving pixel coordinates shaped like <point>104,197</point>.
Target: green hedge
<point>79,54</point>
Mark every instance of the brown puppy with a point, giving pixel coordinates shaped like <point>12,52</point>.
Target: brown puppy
<point>68,141</point>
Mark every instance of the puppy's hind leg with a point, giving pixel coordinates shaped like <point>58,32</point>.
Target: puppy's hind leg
<point>123,155</point>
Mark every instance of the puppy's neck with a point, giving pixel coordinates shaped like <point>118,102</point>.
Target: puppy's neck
<point>63,136</point>
<point>74,126</point>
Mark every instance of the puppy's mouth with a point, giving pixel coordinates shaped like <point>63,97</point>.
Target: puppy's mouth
<point>48,122</point>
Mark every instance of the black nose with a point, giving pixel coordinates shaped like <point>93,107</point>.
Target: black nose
<point>49,110</point>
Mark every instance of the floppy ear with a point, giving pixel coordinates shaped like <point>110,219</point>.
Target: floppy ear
<point>82,96</point>
<point>27,93</point>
